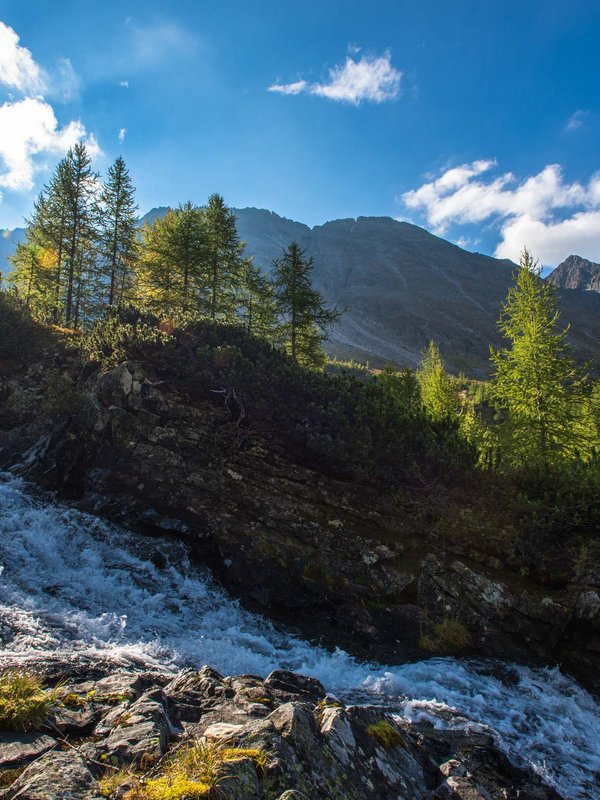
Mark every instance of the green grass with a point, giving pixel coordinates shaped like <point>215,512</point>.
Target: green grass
<point>24,704</point>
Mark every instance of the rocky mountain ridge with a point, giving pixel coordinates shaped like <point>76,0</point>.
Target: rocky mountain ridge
<point>576,272</point>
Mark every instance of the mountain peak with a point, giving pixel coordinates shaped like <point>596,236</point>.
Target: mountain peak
<point>576,272</point>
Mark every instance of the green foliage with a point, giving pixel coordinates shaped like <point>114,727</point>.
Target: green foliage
<point>117,235</point>
<point>438,393</point>
<point>24,704</point>
<point>306,318</point>
<point>385,734</point>
<point>449,637</point>
<point>124,334</point>
<point>535,383</point>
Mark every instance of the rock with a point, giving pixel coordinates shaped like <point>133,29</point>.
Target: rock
<point>17,749</point>
<point>55,776</point>
<point>140,730</point>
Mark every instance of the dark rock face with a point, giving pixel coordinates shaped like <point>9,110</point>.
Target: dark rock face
<point>343,562</point>
<point>311,745</point>
<point>576,272</point>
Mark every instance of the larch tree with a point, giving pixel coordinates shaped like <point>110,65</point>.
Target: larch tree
<point>224,260</point>
<point>306,318</point>
<point>258,310</point>
<point>438,394</point>
<point>536,384</point>
<point>81,227</point>
<point>118,232</point>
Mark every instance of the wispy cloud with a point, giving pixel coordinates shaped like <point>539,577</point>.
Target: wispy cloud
<point>576,120</point>
<point>122,134</point>
<point>544,212</point>
<point>124,84</point>
<point>29,128</point>
<point>369,78</point>
<point>155,44</point>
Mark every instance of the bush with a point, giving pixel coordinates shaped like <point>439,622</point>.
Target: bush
<point>24,704</point>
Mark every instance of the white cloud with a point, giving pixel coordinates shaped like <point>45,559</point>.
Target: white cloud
<point>368,78</point>
<point>551,217</point>
<point>124,84</point>
<point>18,70</point>
<point>29,128</point>
<point>122,133</point>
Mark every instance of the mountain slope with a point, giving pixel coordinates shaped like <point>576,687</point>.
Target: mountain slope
<point>402,287</point>
<point>576,272</point>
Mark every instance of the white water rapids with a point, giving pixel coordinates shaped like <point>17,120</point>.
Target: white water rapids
<point>70,582</point>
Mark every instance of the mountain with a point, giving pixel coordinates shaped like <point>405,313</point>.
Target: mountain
<point>576,272</point>
<point>402,287</point>
<point>8,243</point>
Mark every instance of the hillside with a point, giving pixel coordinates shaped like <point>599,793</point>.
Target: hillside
<point>576,272</point>
<point>401,287</point>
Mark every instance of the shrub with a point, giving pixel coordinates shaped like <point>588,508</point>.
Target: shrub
<point>24,704</point>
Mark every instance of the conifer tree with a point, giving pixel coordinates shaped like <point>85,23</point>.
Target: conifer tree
<point>306,318</point>
<point>536,383</point>
<point>438,395</point>
<point>259,310</point>
<point>32,279</point>
<point>81,222</point>
<point>173,269</point>
<point>118,234</point>
<point>224,258</point>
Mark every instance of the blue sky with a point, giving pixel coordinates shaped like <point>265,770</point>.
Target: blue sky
<point>478,119</point>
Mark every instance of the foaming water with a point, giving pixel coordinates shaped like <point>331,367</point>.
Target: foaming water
<point>72,583</point>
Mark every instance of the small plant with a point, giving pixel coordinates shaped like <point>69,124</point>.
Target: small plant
<point>24,704</point>
<point>448,636</point>
<point>195,771</point>
<point>385,734</point>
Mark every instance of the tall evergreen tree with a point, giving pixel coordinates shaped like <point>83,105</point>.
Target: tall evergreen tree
<point>118,232</point>
<point>32,279</point>
<point>438,395</point>
<point>535,382</point>
<point>81,220</point>
<point>306,317</point>
<point>173,269</point>
<point>224,258</point>
<point>259,310</point>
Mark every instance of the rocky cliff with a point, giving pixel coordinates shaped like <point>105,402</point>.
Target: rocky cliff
<point>380,573</point>
<point>576,272</point>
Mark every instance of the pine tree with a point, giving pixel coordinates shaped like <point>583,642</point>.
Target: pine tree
<point>306,318</point>
<point>81,224</point>
<point>536,383</point>
<point>173,269</point>
<point>258,311</point>
<point>118,232</point>
<point>224,258</point>
<point>32,279</point>
<point>438,395</point>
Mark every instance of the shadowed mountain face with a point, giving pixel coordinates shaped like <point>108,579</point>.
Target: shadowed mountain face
<point>576,272</point>
<point>401,287</point>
